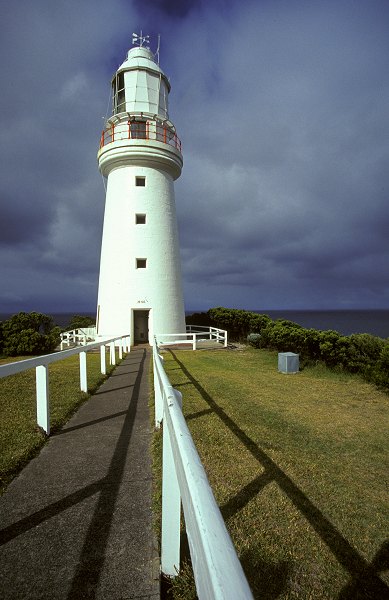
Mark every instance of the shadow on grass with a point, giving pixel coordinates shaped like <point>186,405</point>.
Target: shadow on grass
<point>363,575</point>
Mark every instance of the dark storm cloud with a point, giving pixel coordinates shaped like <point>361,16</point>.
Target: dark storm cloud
<point>293,156</point>
<point>282,110</point>
<point>51,107</point>
<point>171,8</point>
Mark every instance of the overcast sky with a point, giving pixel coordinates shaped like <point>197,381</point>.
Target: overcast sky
<point>282,109</point>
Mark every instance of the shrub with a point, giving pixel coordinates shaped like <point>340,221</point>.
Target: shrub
<point>239,323</point>
<point>334,348</point>
<point>201,318</point>
<point>254,339</point>
<point>29,333</point>
<point>380,373</point>
<point>80,321</point>
<point>365,351</point>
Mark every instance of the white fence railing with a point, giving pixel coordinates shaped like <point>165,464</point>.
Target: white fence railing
<point>41,364</point>
<point>217,571</point>
<point>193,335</point>
<point>79,337</point>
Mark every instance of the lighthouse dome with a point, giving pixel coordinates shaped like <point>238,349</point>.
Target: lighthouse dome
<point>142,58</point>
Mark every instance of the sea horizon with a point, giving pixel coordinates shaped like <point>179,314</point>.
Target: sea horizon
<point>345,321</point>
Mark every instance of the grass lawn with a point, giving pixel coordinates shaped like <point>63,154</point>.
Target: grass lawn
<point>20,437</point>
<point>298,465</point>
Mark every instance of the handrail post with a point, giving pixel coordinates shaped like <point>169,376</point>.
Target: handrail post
<point>103,366</point>
<point>194,341</point>
<point>112,354</point>
<point>158,397</point>
<point>42,397</point>
<point>83,373</point>
<point>225,338</point>
<point>120,344</point>
<point>171,505</point>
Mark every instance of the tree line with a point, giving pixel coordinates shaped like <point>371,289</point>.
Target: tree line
<point>34,333</point>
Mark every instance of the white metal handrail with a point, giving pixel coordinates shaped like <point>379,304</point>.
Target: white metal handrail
<point>41,364</point>
<point>217,571</point>
<point>193,336</point>
<point>79,336</point>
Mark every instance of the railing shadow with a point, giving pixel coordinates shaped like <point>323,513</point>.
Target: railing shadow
<point>92,555</point>
<point>359,569</point>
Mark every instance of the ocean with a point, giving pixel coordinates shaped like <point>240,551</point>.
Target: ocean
<point>346,322</point>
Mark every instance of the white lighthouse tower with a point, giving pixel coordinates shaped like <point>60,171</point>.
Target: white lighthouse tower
<point>140,289</point>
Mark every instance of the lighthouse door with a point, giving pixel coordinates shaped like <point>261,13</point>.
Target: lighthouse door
<point>141,326</point>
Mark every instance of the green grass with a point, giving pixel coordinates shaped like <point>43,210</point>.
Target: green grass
<point>20,437</point>
<point>298,466</point>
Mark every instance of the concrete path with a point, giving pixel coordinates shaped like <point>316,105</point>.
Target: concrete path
<point>77,522</point>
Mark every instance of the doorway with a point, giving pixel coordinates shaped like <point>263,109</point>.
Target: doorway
<point>141,326</point>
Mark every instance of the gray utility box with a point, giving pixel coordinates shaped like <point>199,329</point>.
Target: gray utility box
<point>288,362</point>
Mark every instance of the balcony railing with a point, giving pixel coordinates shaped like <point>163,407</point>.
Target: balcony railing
<point>140,130</point>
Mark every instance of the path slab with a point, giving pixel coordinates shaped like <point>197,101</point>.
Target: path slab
<point>77,521</point>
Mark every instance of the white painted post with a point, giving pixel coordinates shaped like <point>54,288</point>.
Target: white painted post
<point>42,397</point>
<point>171,507</point>
<point>225,339</point>
<point>194,346</point>
<point>120,348</point>
<point>158,398</point>
<point>83,373</point>
<point>103,366</point>
<point>112,355</point>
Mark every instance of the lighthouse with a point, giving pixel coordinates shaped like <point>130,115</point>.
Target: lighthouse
<point>140,288</point>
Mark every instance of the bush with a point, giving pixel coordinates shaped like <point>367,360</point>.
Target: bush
<point>380,373</point>
<point>29,333</point>
<point>201,318</point>
<point>334,348</point>
<point>239,323</point>
<point>254,339</point>
<point>80,321</point>
<point>365,351</point>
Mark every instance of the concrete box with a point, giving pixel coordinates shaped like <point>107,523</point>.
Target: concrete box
<point>288,362</point>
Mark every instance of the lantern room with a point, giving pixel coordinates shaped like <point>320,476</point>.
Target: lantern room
<point>140,86</point>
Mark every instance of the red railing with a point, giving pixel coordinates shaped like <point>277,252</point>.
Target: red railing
<point>140,130</point>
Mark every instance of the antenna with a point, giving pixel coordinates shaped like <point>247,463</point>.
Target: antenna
<point>157,52</point>
<point>139,40</point>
